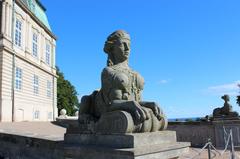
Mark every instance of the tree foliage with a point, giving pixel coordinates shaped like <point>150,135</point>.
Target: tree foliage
<point>66,94</point>
<point>238,97</point>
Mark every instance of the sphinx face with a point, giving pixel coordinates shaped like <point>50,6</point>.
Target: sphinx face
<point>121,50</point>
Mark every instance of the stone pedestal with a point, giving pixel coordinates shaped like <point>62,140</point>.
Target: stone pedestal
<point>221,137</point>
<point>154,145</point>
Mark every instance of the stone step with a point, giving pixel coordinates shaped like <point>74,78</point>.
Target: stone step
<point>163,151</point>
<point>121,140</point>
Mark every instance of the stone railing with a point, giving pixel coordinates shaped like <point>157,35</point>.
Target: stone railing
<point>198,133</point>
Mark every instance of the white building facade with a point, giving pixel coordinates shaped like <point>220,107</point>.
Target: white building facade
<point>28,81</point>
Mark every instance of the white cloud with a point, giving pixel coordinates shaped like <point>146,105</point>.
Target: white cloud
<point>229,88</point>
<point>164,81</point>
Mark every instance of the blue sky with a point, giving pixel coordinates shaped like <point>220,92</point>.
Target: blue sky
<point>188,51</point>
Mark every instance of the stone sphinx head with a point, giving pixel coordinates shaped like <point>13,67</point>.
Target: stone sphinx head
<point>226,98</point>
<point>117,46</point>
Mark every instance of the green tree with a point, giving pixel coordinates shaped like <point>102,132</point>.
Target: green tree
<point>238,97</point>
<point>66,94</point>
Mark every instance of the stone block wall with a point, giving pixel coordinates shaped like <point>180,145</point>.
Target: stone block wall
<point>22,147</point>
<point>197,133</point>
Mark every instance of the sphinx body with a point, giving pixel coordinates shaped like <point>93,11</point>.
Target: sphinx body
<point>118,106</point>
<point>226,111</point>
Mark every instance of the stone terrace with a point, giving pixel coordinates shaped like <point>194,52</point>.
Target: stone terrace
<point>42,130</point>
<point>50,131</point>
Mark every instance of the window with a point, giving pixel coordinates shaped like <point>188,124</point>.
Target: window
<point>49,89</point>
<point>35,84</point>
<point>37,114</point>
<point>18,78</point>
<point>48,54</point>
<point>18,33</point>
<point>49,115</point>
<point>35,45</point>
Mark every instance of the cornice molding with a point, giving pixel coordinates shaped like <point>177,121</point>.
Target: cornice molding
<point>10,51</point>
<point>23,6</point>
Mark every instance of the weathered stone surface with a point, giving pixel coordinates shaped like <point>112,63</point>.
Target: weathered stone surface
<point>197,133</point>
<point>115,122</point>
<point>129,146</point>
<point>166,151</point>
<point>120,92</point>
<point>65,122</point>
<point>26,147</point>
<point>31,140</point>
<point>228,125</point>
<point>109,116</point>
<point>118,122</point>
<point>226,111</point>
<point>122,141</point>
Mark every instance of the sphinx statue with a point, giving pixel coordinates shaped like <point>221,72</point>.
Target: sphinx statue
<point>118,107</point>
<point>226,111</point>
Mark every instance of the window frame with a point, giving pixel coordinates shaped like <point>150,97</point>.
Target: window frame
<point>35,84</point>
<point>48,54</point>
<point>36,115</point>
<point>35,45</point>
<point>18,78</point>
<point>50,115</point>
<point>18,33</point>
<point>49,87</point>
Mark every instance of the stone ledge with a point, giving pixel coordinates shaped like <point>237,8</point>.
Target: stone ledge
<point>15,134</point>
<point>122,140</point>
<point>163,151</point>
<point>29,147</point>
<point>161,144</point>
<point>221,121</point>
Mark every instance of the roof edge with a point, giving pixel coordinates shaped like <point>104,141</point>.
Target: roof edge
<point>41,5</point>
<point>24,7</point>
